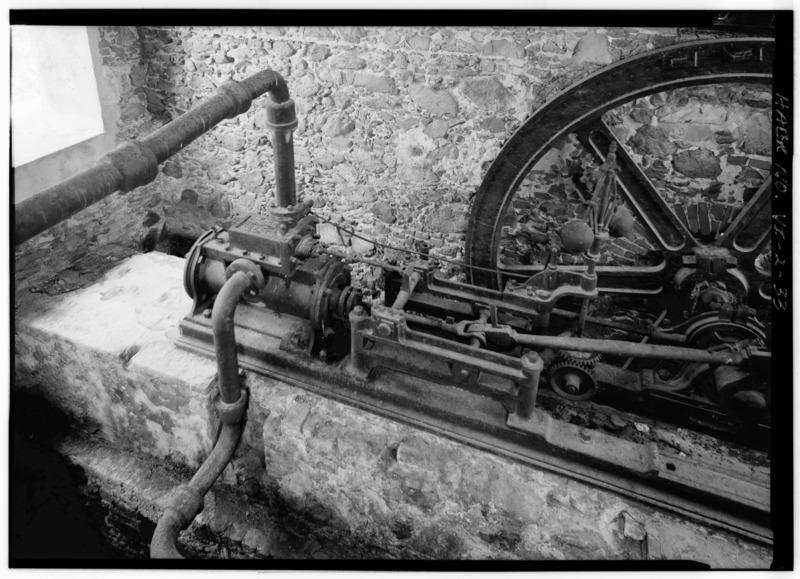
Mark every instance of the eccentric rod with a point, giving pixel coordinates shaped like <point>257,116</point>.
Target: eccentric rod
<point>135,163</point>
<point>630,349</point>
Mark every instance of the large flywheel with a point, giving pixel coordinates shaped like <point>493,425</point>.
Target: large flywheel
<point>697,246</point>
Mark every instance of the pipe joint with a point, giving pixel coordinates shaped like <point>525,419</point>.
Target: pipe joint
<point>234,412</point>
<point>281,116</point>
<point>135,162</point>
<point>187,503</point>
<point>240,96</point>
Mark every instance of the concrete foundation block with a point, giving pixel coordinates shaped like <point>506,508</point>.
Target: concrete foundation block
<point>106,354</point>
<point>424,496</point>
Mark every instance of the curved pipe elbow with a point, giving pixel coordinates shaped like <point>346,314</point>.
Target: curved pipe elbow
<point>185,505</point>
<point>267,81</point>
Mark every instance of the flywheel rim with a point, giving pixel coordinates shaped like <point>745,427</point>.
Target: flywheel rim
<point>663,69</point>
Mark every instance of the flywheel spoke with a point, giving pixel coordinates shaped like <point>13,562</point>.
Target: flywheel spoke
<point>750,230</point>
<point>654,213</point>
<point>620,279</point>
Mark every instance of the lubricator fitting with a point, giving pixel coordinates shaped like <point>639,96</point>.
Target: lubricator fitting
<point>281,116</point>
<point>186,502</point>
<point>232,413</point>
<point>136,163</point>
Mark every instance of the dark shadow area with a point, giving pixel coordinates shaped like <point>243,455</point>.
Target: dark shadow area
<point>51,515</point>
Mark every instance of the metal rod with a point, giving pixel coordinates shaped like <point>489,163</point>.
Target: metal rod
<point>405,293</point>
<point>649,331</point>
<point>661,317</point>
<point>628,349</point>
<point>135,163</point>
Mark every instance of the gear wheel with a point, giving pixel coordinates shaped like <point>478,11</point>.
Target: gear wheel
<point>586,360</point>
<point>572,374</point>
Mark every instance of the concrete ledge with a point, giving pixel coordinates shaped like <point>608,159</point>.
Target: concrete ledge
<point>375,487</point>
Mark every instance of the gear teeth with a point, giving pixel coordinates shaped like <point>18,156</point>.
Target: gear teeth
<point>584,360</point>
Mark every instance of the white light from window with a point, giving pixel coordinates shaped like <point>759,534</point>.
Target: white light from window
<point>54,98</point>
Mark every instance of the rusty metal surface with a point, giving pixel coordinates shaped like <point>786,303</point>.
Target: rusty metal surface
<point>135,163</point>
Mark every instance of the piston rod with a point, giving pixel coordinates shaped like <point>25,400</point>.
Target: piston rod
<point>135,163</point>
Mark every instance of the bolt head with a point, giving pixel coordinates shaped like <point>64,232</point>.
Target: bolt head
<point>207,313</point>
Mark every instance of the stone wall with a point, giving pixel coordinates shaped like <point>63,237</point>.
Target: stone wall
<point>396,125</point>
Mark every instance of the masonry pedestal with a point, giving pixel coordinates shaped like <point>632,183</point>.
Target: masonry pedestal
<point>373,487</point>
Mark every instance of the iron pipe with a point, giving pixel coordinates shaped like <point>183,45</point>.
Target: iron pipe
<point>175,519</point>
<point>135,163</point>
<point>187,501</point>
<point>225,336</point>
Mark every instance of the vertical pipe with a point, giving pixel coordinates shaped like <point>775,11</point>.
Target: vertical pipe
<point>282,120</point>
<point>285,186</point>
<point>225,337</point>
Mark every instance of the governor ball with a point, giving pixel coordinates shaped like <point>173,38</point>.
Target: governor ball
<point>621,223</point>
<point>576,236</point>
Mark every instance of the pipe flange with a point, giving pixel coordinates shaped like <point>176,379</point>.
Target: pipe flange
<point>281,116</point>
<point>239,94</point>
<point>232,413</point>
<point>251,270</point>
<point>187,502</point>
<point>136,163</point>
